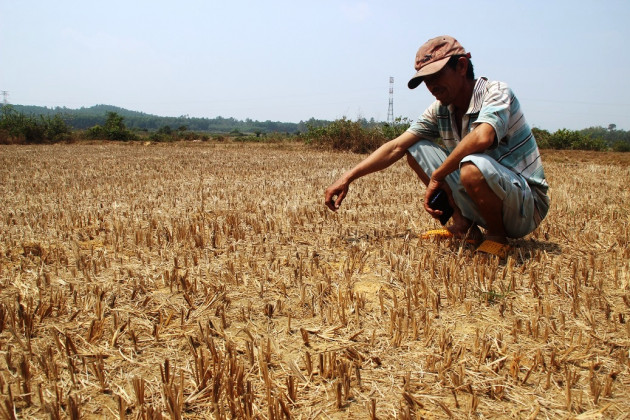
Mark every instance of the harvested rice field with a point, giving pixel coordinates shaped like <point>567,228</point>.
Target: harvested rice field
<point>208,280</point>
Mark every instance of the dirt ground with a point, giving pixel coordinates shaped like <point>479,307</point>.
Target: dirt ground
<point>208,280</point>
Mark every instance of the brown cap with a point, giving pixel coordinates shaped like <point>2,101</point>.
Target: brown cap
<point>433,55</point>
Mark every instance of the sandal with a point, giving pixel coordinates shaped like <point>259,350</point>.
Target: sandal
<point>495,248</point>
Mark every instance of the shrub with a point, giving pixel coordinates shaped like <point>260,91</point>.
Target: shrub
<point>166,134</point>
<point>621,146</point>
<point>344,134</point>
<point>16,127</point>
<point>564,139</point>
<point>542,137</point>
<point>160,137</point>
<point>56,128</point>
<point>114,129</point>
<point>165,130</point>
<point>576,140</point>
<point>187,135</point>
<point>400,125</point>
<point>96,132</point>
<point>589,143</point>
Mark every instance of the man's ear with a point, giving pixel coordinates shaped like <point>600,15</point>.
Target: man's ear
<point>462,66</point>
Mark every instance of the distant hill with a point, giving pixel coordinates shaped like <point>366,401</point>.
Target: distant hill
<point>84,118</point>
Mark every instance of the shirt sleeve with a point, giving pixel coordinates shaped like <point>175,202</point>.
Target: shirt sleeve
<point>495,109</point>
<point>426,125</point>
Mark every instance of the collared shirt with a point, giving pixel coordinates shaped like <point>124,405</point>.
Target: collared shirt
<point>514,147</point>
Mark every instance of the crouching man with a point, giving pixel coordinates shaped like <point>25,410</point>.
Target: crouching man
<point>489,168</point>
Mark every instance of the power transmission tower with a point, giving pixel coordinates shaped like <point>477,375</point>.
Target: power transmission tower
<point>5,97</point>
<point>390,110</point>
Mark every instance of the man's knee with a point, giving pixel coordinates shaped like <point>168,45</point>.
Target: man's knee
<point>413,163</point>
<point>470,176</point>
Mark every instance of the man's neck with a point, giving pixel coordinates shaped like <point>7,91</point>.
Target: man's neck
<point>462,102</point>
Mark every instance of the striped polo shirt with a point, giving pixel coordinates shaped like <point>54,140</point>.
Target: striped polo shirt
<point>514,147</point>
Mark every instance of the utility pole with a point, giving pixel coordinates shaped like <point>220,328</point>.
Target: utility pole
<point>5,97</point>
<point>390,110</point>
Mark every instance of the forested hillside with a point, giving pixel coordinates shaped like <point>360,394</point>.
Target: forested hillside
<point>84,118</point>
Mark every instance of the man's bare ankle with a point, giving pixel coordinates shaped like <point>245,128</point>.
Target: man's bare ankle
<point>469,230</point>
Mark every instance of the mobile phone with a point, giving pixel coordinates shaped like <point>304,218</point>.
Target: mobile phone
<point>439,201</point>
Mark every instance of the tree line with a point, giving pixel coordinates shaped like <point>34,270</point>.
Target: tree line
<point>85,118</point>
<point>27,124</point>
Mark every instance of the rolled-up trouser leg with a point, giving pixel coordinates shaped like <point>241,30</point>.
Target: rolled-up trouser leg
<point>511,188</point>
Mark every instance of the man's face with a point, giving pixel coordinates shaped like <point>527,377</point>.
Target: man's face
<point>445,85</point>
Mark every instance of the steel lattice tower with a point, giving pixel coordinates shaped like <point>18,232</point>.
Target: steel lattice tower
<point>390,110</point>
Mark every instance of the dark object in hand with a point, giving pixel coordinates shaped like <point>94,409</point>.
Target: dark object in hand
<point>439,201</point>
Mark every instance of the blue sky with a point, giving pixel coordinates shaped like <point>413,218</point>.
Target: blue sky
<point>292,60</point>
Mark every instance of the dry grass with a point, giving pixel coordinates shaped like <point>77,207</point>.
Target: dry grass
<point>197,281</point>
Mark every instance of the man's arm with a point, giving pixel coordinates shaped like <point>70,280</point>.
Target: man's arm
<point>380,159</point>
<point>478,140</point>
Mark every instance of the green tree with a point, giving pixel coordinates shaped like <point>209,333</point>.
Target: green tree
<point>542,137</point>
<point>394,130</point>
<point>114,129</point>
<point>569,139</point>
<point>621,146</point>
<point>15,127</point>
<point>167,130</point>
<point>564,139</point>
<point>56,128</point>
<point>590,143</point>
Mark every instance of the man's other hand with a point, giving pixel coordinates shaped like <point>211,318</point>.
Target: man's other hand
<point>335,194</point>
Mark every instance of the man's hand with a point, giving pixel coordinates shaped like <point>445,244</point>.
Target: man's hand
<point>336,193</point>
<point>380,159</point>
<point>432,188</point>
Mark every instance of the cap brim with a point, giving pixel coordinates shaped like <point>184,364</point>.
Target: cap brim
<point>427,70</point>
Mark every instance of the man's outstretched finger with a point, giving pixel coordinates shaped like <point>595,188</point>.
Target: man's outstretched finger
<point>338,200</point>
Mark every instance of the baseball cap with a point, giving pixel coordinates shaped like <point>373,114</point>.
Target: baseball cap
<point>433,55</point>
